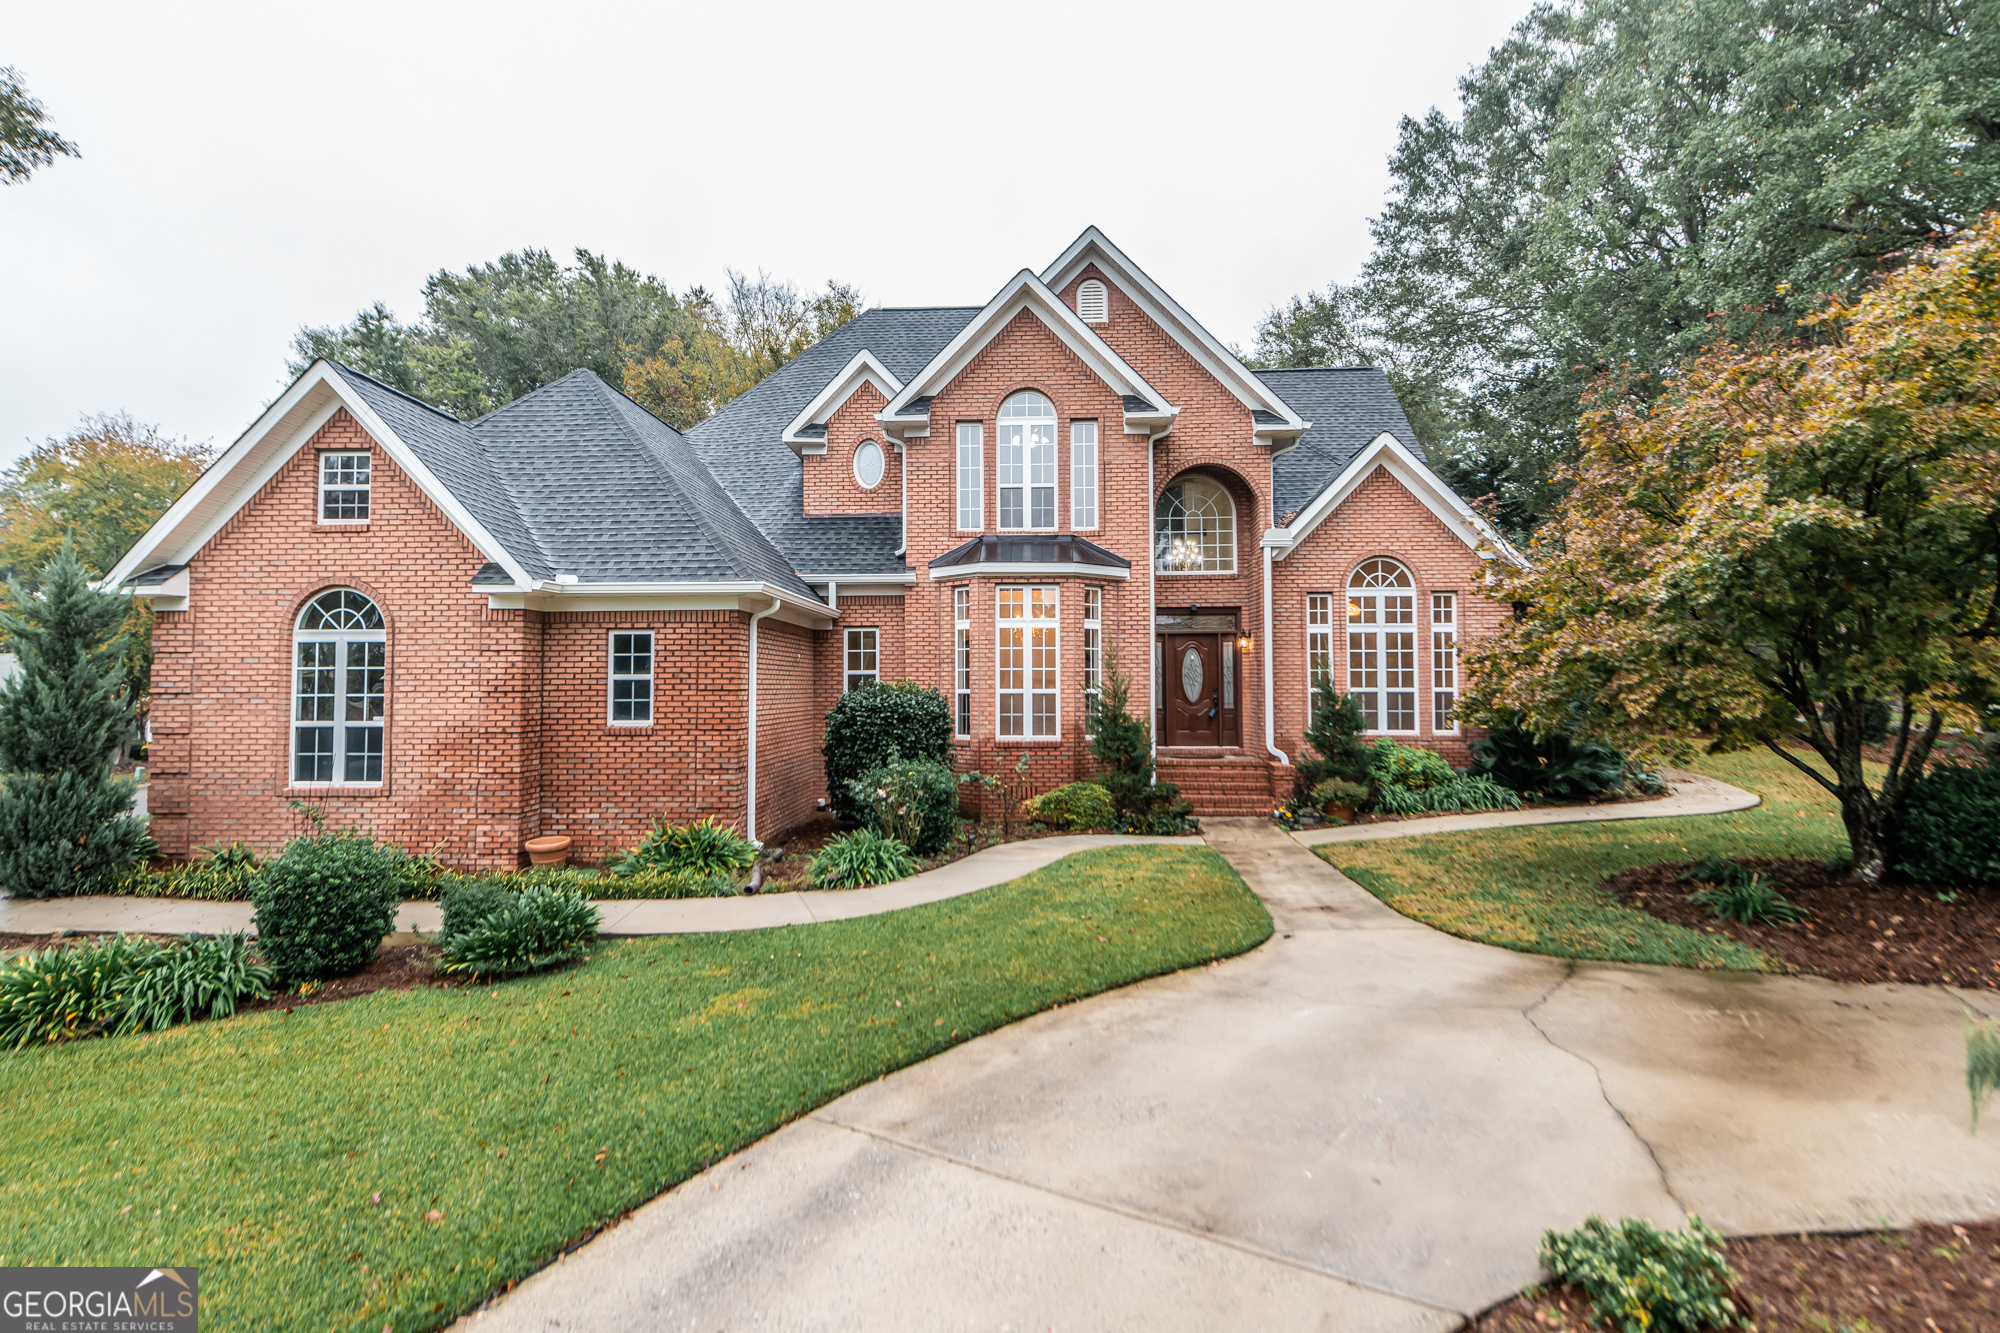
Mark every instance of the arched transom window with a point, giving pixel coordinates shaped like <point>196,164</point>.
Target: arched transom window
<point>1194,528</point>
<point>339,691</point>
<point>1027,462</point>
<point>1382,645</point>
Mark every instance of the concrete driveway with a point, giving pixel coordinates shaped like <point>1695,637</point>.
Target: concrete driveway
<point>1364,1124</point>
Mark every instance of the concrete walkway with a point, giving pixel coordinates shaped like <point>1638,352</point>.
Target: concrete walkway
<point>680,916</point>
<point>1365,1124</point>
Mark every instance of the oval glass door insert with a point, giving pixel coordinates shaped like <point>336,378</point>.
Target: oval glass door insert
<point>1191,678</point>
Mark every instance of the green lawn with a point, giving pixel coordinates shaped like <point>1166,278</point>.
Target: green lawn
<point>1535,889</point>
<point>529,1113</point>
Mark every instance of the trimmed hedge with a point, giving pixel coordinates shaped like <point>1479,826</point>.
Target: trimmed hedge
<point>1950,827</point>
<point>324,906</point>
<point>1078,805</point>
<point>876,724</point>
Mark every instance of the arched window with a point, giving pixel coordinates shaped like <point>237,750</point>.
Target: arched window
<point>868,464</point>
<point>1382,645</point>
<point>1092,303</point>
<point>1027,459</point>
<point>339,691</point>
<point>1194,528</point>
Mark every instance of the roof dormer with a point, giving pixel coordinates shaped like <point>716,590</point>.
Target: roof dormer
<point>807,433</point>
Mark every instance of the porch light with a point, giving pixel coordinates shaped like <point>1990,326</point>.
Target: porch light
<point>1243,643</point>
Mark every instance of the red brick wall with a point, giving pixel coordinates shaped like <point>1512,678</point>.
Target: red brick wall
<point>791,720</point>
<point>830,487</point>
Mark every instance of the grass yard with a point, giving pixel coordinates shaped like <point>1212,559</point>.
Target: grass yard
<point>1535,889</point>
<point>498,1123</point>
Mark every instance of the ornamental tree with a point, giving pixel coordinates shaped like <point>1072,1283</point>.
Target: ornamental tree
<point>1780,538</point>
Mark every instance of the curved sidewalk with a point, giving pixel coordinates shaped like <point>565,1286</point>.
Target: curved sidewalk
<point>621,916</point>
<point>1691,795</point>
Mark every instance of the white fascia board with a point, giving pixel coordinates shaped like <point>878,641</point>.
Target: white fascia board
<point>1386,451</point>
<point>1024,291</point>
<point>169,596</point>
<point>1015,573</point>
<point>548,595</point>
<point>863,369</point>
<point>286,427</point>
<point>846,580</point>
<point>1095,247</point>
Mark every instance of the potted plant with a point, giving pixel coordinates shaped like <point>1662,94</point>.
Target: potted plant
<point>1339,798</point>
<point>548,850</point>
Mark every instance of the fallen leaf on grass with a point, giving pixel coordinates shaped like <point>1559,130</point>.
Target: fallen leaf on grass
<point>434,1216</point>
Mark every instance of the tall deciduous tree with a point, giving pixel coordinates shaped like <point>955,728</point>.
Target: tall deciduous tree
<point>26,140</point>
<point>99,488</point>
<point>1624,177</point>
<point>1780,537</point>
<point>64,820</point>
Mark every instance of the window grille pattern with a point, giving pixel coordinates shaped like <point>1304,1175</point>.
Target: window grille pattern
<point>1026,663</point>
<point>339,690</point>
<point>343,487</point>
<point>631,677</point>
<point>1319,649</point>
<point>1083,474</point>
<point>1026,436</point>
<point>971,478</point>
<point>1194,528</point>
<point>961,615</point>
<point>863,659</point>
<point>1444,661</point>
<point>1382,645</point>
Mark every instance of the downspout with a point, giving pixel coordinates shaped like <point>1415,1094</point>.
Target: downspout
<point>903,466</point>
<point>1270,717</point>
<point>1152,617</point>
<point>750,817</point>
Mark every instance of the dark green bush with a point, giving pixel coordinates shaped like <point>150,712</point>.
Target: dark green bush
<point>1641,1279</point>
<point>858,859</point>
<point>914,801</point>
<point>126,985</point>
<point>467,900</point>
<point>530,931</point>
<point>203,976</point>
<point>704,847</point>
<point>324,905</point>
<point>1410,767</point>
<point>1338,791</point>
<point>1123,744</point>
<point>1335,734</point>
<point>1950,827</point>
<point>1555,765</point>
<point>877,723</point>
<point>1080,805</point>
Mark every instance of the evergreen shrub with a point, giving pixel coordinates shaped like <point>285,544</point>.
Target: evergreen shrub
<point>526,932</point>
<point>1410,767</point>
<point>858,859</point>
<point>1641,1279</point>
<point>1079,805</point>
<point>1556,765</point>
<point>1335,735</point>
<point>1123,744</point>
<point>704,847</point>
<point>876,724</point>
<point>1950,828</point>
<point>1338,791</point>
<point>325,904</point>
<point>914,801</point>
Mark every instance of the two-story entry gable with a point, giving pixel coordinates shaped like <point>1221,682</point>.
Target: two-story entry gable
<point>567,617</point>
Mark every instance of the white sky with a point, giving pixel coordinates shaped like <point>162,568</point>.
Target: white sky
<point>249,168</point>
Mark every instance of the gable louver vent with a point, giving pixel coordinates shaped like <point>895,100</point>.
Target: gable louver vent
<point>1091,303</point>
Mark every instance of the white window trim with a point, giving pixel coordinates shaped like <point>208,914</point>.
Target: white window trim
<point>961,661</point>
<point>846,647</point>
<point>1382,628</point>
<point>340,638</point>
<point>1028,690</point>
<point>1028,486</point>
<point>611,678</point>
<point>1332,655</point>
<point>972,435</point>
<point>1457,691</point>
<point>1077,521</point>
<point>855,464</point>
<point>1235,539</point>
<point>319,465</point>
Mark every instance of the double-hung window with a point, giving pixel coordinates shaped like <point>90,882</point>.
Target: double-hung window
<point>1027,666</point>
<point>1083,474</point>
<point>961,619</point>
<point>343,488</point>
<point>1319,650</point>
<point>1382,645</point>
<point>631,698</point>
<point>1444,661</point>
<point>864,663</point>
<point>971,477</point>
<point>339,691</point>
<point>1026,456</point>
<point>1093,649</point>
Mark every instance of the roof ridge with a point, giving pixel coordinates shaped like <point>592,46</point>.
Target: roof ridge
<point>390,388</point>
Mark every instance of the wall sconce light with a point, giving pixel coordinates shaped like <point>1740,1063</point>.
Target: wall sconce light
<point>1243,643</point>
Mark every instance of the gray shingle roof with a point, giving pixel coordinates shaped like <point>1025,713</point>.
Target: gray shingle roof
<point>1348,407</point>
<point>741,443</point>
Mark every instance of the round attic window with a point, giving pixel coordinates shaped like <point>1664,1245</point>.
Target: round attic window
<point>868,464</point>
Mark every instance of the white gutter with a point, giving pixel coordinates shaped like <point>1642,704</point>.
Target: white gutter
<point>832,595</point>
<point>750,814</point>
<point>903,467</point>
<point>1152,614</point>
<point>1270,717</point>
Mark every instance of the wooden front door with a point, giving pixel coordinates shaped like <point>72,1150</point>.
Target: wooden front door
<point>1198,689</point>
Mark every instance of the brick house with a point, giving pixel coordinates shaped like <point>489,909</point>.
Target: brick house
<point>567,617</point>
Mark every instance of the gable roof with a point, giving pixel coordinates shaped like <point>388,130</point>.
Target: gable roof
<point>743,443</point>
<point>1348,406</point>
<point>1386,453</point>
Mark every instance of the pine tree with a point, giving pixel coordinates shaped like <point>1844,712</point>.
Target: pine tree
<point>1336,734</point>
<point>64,820</point>
<point>1124,745</point>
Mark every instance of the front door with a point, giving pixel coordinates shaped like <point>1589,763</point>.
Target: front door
<point>1197,690</point>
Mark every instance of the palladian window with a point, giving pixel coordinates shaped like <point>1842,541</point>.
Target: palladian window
<point>1194,529</point>
<point>339,691</point>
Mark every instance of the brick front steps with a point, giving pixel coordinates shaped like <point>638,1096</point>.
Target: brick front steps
<point>1219,782</point>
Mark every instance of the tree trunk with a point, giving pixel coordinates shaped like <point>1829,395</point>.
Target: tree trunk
<point>1835,731</point>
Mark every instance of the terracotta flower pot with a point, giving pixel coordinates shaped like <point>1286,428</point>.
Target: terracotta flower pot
<point>1344,813</point>
<point>552,850</point>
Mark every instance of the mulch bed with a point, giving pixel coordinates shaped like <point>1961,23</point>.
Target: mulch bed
<point>1927,1279</point>
<point>396,967</point>
<point>1892,932</point>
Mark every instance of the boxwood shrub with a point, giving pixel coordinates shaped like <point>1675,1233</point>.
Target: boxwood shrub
<point>876,724</point>
<point>914,801</point>
<point>324,905</point>
<point>1950,830</point>
<point>1078,805</point>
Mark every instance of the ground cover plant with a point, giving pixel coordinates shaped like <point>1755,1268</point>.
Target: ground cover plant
<point>395,1159</point>
<point>861,858</point>
<point>123,984</point>
<point>1640,1278</point>
<point>703,847</point>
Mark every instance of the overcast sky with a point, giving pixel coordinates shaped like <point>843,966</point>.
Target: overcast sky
<point>249,168</point>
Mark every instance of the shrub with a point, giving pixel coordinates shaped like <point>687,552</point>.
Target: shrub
<point>324,905</point>
<point>1753,902</point>
<point>1077,805</point>
<point>1124,745</point>
<point>535,929</point>
<point>1643,1280</point>
<point>914,801</point>
<point>877,724</point>
<point>858,859</point>
<point>1713,869</point>
<point>705,847</point>
<point>1408,766</point>
<point>57,994</point>
<point>467,900</point>
<point>1335,733</point>
<point>1338,791</point>
<point>1555,765</point>
<point>204,976</point>
<point>1458,794</point>
<point>1950,828</point>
